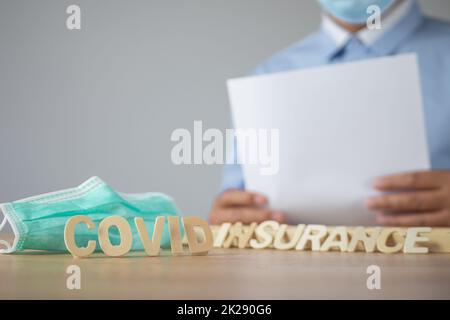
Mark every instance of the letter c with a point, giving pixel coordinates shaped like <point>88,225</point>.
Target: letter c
<point>383,239</point>
<point>69,237</point>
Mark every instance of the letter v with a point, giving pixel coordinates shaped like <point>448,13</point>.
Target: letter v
<point>151,247</point>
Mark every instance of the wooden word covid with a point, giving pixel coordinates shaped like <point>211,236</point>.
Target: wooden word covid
<point>192,225</point>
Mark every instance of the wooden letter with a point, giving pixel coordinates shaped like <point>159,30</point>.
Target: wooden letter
<point>126,238</point>
<point>175,235</point>
<point>382,241</point>
<point>194,246</point>
<point>69,237</point>
<point>338,238</point>
<point>264,235</point>
<point>313,233</point>
<point>151,247</point>
<point>359,234</point>
<point>282,231</point>
<point>238,234</point>
<point>221,234</point>
<point>412,237</point>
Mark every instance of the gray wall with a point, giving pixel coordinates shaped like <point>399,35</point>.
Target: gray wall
<point>104,100</point>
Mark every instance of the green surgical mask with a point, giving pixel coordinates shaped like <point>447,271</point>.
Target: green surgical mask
<point>38,222</point>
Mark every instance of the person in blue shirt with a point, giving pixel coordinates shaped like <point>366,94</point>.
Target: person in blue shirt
<point>409,199</point>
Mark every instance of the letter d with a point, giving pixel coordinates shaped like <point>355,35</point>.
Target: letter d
<point>194,245</point>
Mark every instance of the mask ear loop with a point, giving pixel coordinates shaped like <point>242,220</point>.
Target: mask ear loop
<point>3,242</point>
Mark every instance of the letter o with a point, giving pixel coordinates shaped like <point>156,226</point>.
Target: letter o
<point>126,238</point>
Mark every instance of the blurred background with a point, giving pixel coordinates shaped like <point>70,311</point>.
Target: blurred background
<point>105,99</point>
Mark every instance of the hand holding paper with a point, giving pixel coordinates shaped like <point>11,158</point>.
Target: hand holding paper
<point>340,128</point>
<point>413,199</point>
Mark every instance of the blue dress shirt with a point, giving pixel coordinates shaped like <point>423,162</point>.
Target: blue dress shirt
<point>429,38</point>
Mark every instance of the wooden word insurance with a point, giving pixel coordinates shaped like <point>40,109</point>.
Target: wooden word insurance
<point>270,234</point>
<point>192,225</point>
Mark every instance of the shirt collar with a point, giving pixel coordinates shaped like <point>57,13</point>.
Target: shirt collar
<point>339,35</point>
<point>399,24</point>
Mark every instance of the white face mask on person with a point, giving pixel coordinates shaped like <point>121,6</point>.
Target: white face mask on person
<point>353,11</point>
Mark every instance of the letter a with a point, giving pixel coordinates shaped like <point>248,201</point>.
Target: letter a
<point>374,280</point>
<point>74,280</point>
<point>374,20</point>
<point>73,21</point>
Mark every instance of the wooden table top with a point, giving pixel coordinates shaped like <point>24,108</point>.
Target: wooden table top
<point>226,274</point>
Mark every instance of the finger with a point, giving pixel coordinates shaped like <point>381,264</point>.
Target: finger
<point>407,201</point>
<point>411,180</point>
<point>241,198</point>
<point>244,215</point>
<point>432,219</point>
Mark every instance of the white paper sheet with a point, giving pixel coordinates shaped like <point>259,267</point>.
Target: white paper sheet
<point>340,127</point>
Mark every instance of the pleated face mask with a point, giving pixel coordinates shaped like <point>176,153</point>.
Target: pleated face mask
<point>38,222</point>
